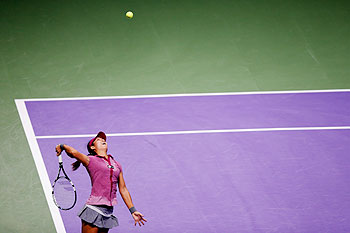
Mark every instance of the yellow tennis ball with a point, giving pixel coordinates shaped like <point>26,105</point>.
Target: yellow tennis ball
<point>129,14</point>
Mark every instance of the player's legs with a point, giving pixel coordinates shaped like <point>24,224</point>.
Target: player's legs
<point>103,230</point>
<point>88,228</point>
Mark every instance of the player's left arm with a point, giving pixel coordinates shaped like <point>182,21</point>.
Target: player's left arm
<point>138,217</point>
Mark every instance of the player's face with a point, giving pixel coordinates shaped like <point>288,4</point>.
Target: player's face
<point>100,144</point>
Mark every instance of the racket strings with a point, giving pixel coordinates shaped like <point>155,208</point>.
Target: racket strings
<point>64,193</point>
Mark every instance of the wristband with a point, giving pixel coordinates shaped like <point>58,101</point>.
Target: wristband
<point>62,147</point>
<point>132,210</point>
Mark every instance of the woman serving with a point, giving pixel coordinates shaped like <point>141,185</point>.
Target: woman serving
<point>105,173</point>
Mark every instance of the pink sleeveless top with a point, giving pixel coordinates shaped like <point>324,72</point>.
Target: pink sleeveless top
<point>104,175</point>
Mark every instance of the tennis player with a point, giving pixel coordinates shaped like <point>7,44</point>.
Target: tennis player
<point>105,173</point>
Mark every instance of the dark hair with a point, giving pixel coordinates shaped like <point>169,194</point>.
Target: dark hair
<point>77,163</point>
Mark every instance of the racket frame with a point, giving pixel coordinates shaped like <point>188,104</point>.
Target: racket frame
<point>60,164</point>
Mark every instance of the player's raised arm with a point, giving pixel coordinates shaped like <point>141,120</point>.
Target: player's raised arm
<point>73,153</point>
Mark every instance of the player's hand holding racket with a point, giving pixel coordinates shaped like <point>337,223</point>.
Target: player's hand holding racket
<point>63,190</point>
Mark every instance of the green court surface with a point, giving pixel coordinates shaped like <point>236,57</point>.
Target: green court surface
<point>89,48</point>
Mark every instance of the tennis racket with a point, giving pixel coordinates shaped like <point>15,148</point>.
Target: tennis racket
<point>63,191</point>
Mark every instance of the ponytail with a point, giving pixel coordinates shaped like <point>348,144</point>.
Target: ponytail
<point>77,163</point>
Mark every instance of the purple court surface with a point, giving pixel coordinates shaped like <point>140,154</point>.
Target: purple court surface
<point>189,168</point>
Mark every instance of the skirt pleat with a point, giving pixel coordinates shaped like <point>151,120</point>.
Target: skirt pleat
<point>101,221</point>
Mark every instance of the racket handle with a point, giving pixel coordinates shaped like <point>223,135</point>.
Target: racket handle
<point>60,159</point>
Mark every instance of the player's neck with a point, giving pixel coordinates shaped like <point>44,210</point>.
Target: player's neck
<point>102,153</point>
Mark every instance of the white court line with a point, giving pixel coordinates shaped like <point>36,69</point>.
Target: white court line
<point>191,94</point>
<point>199,132</point>
<point>40,165</point>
